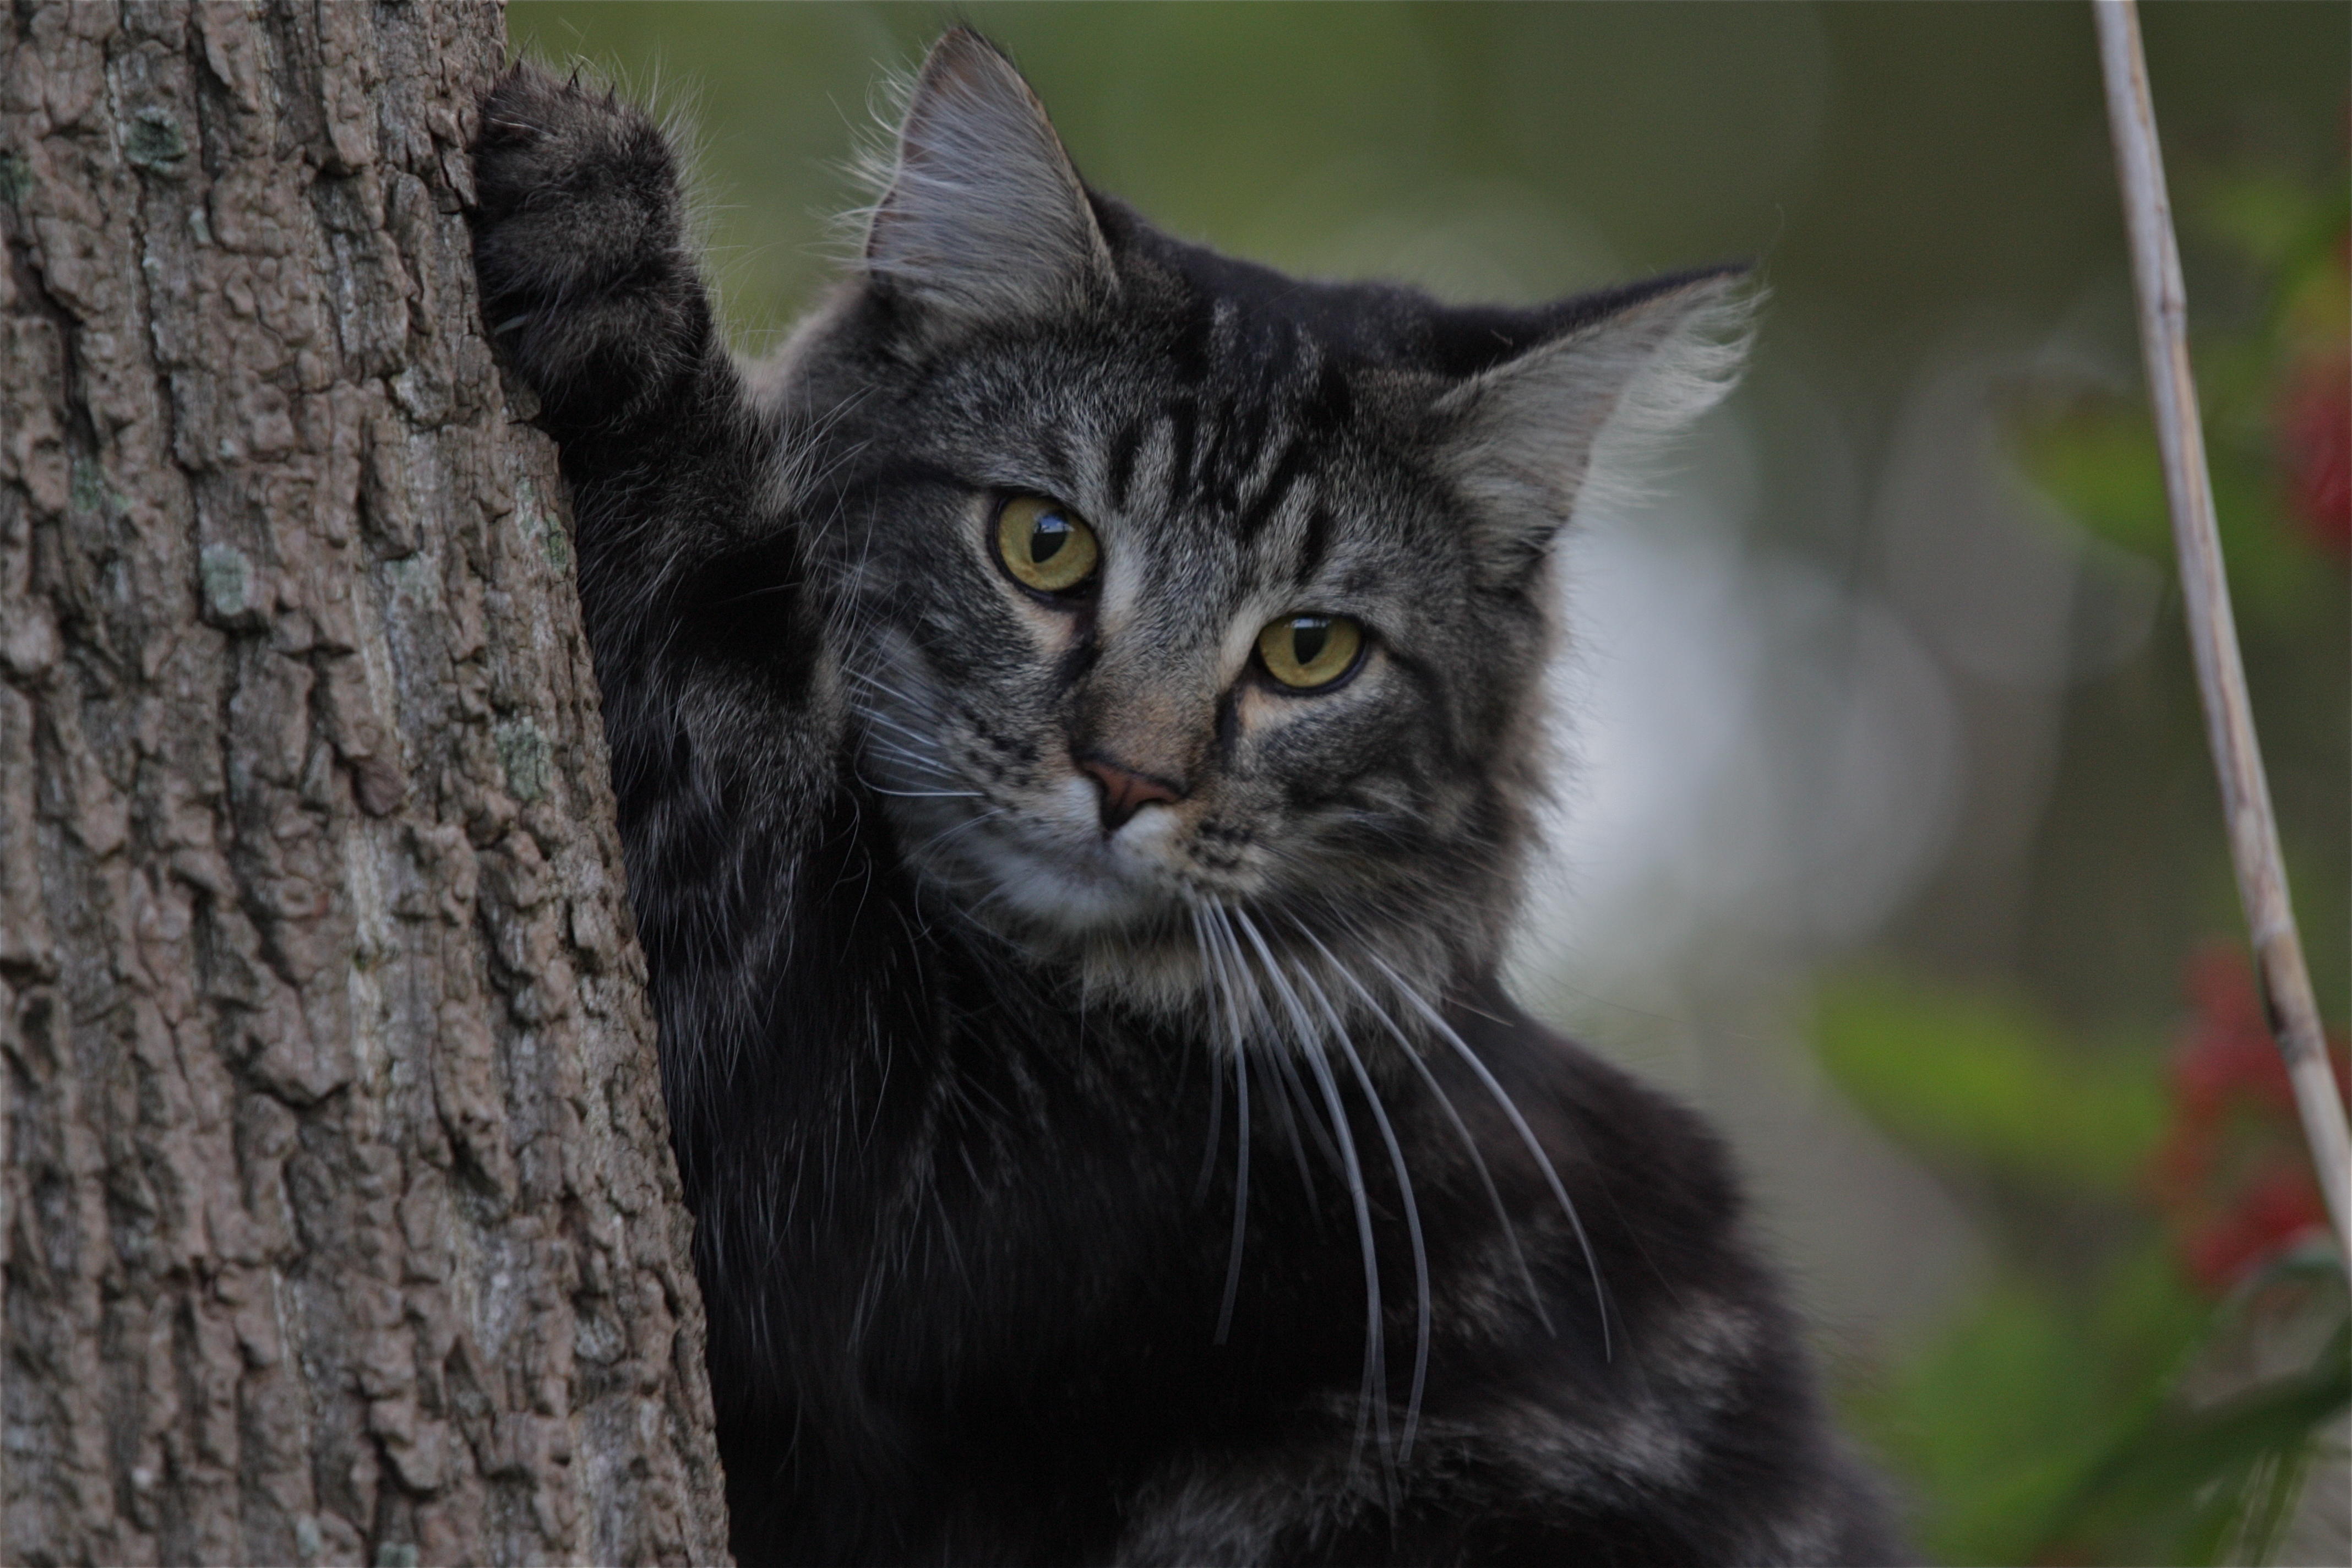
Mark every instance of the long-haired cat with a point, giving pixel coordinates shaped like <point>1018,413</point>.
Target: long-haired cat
<point>1074,715</point>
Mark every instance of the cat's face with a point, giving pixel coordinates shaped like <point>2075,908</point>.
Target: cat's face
<point>1170,584</point>
<point>1150,639</point>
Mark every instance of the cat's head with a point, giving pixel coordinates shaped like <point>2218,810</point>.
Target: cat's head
<point>1196,615</point>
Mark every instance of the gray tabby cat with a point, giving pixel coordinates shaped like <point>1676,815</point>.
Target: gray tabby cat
<point>1074,718</point>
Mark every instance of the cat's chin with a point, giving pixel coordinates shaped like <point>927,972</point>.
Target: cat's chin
<point>1073,892</point>
<point>1102,911</point>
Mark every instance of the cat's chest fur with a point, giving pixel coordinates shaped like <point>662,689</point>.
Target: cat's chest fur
<point>987,1327</point>
<point>1075,734</point>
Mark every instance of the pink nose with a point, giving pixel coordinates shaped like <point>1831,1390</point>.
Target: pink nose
<point>1126,792</point>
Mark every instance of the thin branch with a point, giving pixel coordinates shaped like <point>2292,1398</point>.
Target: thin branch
<point>2292,1010</point>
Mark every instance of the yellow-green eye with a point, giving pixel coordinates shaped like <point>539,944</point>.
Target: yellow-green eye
<point>1308,651</point>
<point>1046,544</point>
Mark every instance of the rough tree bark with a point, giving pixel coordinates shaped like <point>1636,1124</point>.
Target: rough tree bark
<point>340,1220</point>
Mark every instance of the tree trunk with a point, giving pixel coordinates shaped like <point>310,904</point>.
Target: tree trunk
<point>339,1216</point>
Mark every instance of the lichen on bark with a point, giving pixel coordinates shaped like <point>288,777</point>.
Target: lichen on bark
<point>340,1222</point>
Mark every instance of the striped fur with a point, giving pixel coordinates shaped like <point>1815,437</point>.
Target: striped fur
<point>1183,1190</point>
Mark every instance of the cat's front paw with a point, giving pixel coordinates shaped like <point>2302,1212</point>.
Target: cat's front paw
<point>578,242</point>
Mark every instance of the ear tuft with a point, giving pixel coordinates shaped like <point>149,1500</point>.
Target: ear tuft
<point>984,217</point>
<point>1530,439</point>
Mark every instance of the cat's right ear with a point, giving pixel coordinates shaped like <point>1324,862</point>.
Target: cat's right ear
<point>985,218</point>
<point>1626,366</point>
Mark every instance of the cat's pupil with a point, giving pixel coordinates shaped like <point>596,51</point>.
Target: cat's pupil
<point>1308,635</point>
<point>1045,540</point>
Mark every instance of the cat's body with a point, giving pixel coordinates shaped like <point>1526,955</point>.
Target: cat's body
<point>1024,957</point>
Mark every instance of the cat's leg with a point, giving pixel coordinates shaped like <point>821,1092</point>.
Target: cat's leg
<point>709,656</point>
<point>587,279</point>
<point>590,286</point>
<point>689,548</point>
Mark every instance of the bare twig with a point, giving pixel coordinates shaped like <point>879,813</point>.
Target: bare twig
<point>2292,1010</point>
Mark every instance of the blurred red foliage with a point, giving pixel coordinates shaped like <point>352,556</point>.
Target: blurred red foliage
<point>2312,420</point>
<point>2315,436</point>
<point>2231,1175</point>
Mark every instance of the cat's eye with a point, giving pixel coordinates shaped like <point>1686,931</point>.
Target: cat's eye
<point>1308,651</point>
<point>1045,545</point>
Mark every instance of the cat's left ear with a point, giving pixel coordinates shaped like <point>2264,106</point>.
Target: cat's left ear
<point>1519,439</point>
<point>985,218</point>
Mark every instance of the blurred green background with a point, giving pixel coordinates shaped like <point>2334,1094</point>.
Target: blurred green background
<point>1892,839</point>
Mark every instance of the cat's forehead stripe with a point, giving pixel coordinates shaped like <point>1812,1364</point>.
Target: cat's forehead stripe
<point>1270,496</point>
<point>1314,544</point>
<point>1240,455</point>
<point>1123,448</point>
<point>1182,415</point>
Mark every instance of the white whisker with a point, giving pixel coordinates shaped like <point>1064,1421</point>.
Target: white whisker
<point>1412,1208</point>
<point>1375,1386</point>
<point>1284,1105</point>
<point>1527,1136</point>
<point>1216,1076</point>
<point>1242,1137</point>
<point>1452,1116</point>
<point>924,793</point>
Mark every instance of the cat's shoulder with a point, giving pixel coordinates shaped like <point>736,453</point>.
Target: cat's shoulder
<point>1597,1114</point>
